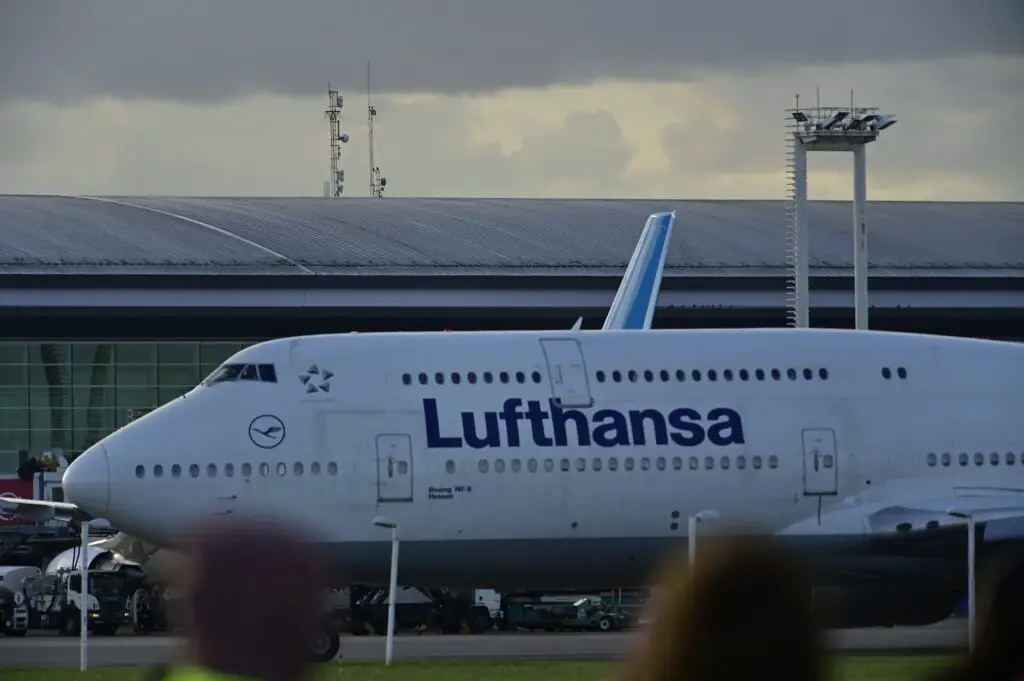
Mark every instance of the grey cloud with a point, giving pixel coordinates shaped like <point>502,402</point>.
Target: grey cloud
<point>197,50</point>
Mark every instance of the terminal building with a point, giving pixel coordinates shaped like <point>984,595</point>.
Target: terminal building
<point>111,306</point>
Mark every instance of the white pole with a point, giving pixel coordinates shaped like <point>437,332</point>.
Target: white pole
<point>860,237</point>
<point>83,602</point>
<point>803,250</point>
<point>392,596</point>
<point>970,582</point>
<point>691,538</point>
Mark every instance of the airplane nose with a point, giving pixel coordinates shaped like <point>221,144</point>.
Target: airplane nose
<point>86,482</point>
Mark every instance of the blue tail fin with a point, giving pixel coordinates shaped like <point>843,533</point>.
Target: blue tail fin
<point>637,297</point>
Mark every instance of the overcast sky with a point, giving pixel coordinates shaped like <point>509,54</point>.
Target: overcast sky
<point>658,98</point>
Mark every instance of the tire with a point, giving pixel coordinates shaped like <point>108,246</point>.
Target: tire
<point>606,624</point>
<point>326,646</point>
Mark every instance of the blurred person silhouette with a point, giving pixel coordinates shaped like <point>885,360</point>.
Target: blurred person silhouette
<point>252,603</point>
<point>998,653</point>
<point>743,612</point>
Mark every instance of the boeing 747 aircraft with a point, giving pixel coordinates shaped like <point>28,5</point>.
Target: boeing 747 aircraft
<point>549,459</point>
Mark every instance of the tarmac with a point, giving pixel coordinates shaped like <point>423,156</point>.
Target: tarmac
<point>44,650</point>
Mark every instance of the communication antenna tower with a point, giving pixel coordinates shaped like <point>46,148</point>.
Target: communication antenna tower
<point>377,181</point>
<point>335,184</point>
<point>828,128</point>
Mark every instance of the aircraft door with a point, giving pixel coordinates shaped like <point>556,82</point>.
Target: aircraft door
<point>821,465</point>
<point>394,468</point>
<point>567,371</point>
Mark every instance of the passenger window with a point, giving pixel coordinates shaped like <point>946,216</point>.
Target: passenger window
<point>613,464</point>
<point>499,465</point>
<point>773,461</point>
<point>1010,458</point>
<point>759,374</point>
<point>449,467</point>
<point>520,377</point>
<point>741,462</point>
<point>516,465</point>
<point>648,375</point>
<point>827,461</point>
<point>211,470</point>
<point>423,379</point>
<point>727,374</point>
<point>744,375</point>
<point>946,459</point>
<point>756,461</point>
<point>808,374</point>
<point>439,378</point>
<point>791,374</point>
<point>503,377</point>
<point>403,468</point>
<point>776,375</point>
<point>709,462</point>
<point>600,376</point>
<point>632,376</point>
<point>628,463</point>
<point>456,378</point>
<point>483,466</point>
<point>549,465</point>
<point>158,471</point>
<point>488,377</point>
<point>536,377</point>
<point>695,375</point>
<point>531,465</point>
<point>140,471</point>
<point>979,458</point>
<point>680,375</point>
<point>901,372</point>
<point>664,376</point>
<point>332,468</point>
<point>297,468</point>
<point>712,375</point>
<point>249,373</point>
<point>994,458</point>
<point>407,379</point>
<point>268,374</point>
<point>595,464</point>
<point>581,464</point>
<point>563,464</point>
<point>264,469</point>
<point>823,374</point>
<point>193,470</point>
<point>694,465</point>
<point>963,459</point>
<point>471,377</point>
<point>314,468</point>
<point>229,470</point>
<point>677,463</point>
<point>617,376</point>
<point>659,463</point>
<point>725,463</point>
<point>645,463</point>
<point>246,470</point>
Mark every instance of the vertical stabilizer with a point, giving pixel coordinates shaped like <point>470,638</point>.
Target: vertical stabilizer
<point>637,297</point>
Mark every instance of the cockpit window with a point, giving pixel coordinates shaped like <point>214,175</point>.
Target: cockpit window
<point>242,372</point>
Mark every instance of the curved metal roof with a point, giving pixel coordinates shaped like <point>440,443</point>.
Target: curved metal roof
<point>56,234</point>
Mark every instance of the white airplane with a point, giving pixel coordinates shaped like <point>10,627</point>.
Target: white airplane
<point>548,459</point>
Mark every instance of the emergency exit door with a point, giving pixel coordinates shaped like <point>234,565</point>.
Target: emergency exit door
<point>821,466</point>
<point>394,468</point>
<point>567,372</point>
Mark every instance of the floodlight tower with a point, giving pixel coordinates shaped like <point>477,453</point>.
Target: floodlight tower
<point>829,128</point>
<point>336,181</point>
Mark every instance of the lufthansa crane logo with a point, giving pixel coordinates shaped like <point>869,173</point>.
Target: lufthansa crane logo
<point>266,431</point>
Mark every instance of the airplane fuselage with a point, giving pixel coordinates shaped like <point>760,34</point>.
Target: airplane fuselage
<point>557,459</point>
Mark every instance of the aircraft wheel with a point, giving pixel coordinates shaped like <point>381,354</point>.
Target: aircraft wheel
<point>326,646</point>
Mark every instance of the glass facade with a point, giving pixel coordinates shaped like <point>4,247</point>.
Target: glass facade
<point>70,395</point>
